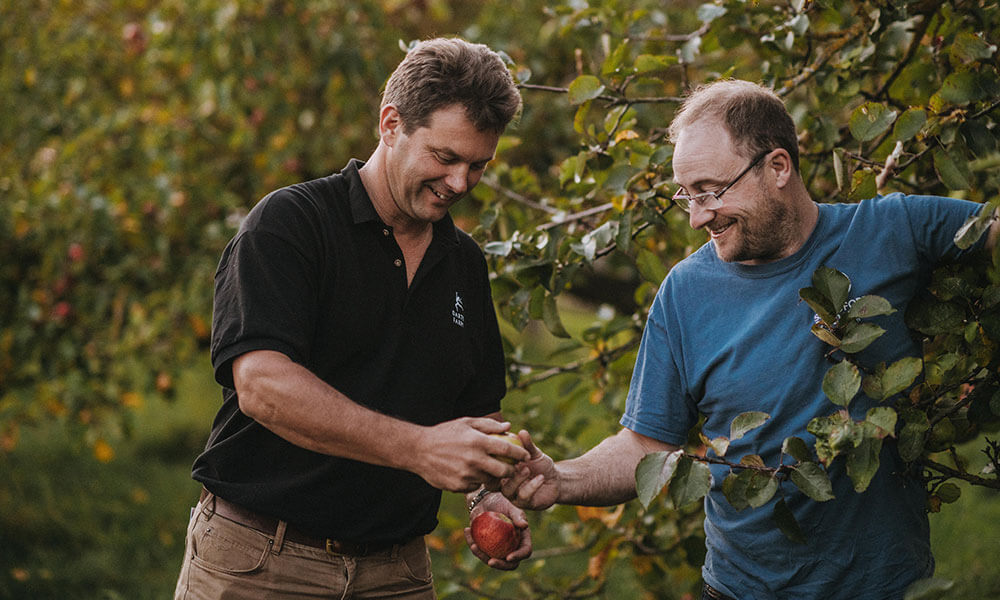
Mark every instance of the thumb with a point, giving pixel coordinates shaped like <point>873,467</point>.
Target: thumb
<point>529,445</point>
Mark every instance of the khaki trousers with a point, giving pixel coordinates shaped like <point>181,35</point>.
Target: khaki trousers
<point>223,559</point>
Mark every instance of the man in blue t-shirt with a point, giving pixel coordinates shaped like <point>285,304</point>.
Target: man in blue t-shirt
<point>728,334</point>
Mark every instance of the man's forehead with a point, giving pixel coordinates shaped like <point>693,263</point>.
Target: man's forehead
<point>702,151</point>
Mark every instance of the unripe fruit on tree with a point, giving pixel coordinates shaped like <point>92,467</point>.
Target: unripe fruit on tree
<point>510,438</point>
<point>495,534</point>
<point>942,436</point>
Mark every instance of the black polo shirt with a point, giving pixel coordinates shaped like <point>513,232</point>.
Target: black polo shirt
<point>315,274</point>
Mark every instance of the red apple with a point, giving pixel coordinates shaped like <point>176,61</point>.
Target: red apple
<point>495,534</point>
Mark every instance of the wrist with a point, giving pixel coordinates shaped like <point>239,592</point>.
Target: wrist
<point>477,499</point>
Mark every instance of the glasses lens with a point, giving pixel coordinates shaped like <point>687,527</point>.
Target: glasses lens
<point>683,201</point>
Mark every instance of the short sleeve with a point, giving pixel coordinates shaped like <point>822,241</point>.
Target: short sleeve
<point>657,405</point>
<point>265,299</point>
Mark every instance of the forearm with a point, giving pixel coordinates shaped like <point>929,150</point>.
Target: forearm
<point>293,403</point>
<point>605,475</point>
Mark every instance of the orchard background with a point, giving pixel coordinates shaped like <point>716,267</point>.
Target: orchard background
<point>136,134</point>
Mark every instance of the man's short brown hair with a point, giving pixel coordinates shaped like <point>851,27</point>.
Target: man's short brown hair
<point>754,116</point>
<point>444,72</point>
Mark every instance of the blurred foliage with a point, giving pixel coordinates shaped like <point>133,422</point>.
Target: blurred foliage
<point>137,134</point>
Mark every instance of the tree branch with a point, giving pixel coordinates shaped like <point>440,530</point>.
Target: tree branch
<point>825,55</point>
<point>950,472</point>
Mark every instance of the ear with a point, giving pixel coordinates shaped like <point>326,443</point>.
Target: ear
<point>390,124</point>
<point>781,165</point>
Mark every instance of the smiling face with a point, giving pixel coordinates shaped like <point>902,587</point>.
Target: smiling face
<point>429,169</point>
<point>754,224</point>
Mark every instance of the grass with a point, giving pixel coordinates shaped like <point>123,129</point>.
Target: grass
<point>75,528</point>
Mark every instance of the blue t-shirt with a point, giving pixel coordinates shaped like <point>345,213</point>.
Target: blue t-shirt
<point>727,338</point>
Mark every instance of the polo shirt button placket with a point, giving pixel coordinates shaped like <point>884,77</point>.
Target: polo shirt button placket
<point>398,262</point>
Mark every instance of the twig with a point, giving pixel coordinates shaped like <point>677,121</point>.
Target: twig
<point>825,55</point>
<point>583,214</point>
<point>973,479</point>
<point>611,100</point>
<point>495,186</point>
<point>551,372</point>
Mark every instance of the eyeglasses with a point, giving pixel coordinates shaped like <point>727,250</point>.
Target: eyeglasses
<point>712,200</point>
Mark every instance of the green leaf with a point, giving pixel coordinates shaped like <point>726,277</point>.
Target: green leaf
<point>718,445</point>
<point>820,304</point>
<point>842,382</point>
<point>650,266</point>
<point>858,336</point>
<point>550,316</point>
<point>786,522</point>
<point>813,481</point>
<point>498,248</point>
<point>900,375</point>
<point>615,60</point>
<point>883,417</point>
<point>913,434</point>
<point>839,168</point>
<point>969,47</point>
<point>709,12</point>
<point>951,173</point>
<point>948,493</point>
<point>797,449</point>
<point>745,422</point>
<point>909,124</point>
<point>833,285</point>
<point>931,588</point>
<point>760,489</point>
<point>652,63</point>
<point>863,185</point>
<point>690,483</point>
<point>870,120</point>
<point>583,88</point>
<point>734,486</point>
<point>823,332</point>
<point>863,462</point>
<point>931,317</point>
<point>653,472</point>
<point>961,87</point>
<point>974,228</point>
<point>869,306</point>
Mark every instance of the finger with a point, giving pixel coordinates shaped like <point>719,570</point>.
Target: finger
<point>524,550</point>
<point>509,486</point>
<point>525,494</point>
<point>488,425</point>
<point>529,445</point>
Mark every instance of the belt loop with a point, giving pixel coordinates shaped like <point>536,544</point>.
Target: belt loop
<point>279,537</point>
<point>205,510</point>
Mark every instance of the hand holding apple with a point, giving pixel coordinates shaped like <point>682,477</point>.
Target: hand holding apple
<point>510,438</point>
<point>502,537</point>
<point>495,534</point>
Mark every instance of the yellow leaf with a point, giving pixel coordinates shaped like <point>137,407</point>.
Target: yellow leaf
<point>626,134</point>
<point>132,399</point>
<point>608,516</point>
<point>103,451</point>
<point>595,566</point>
<point>434,542</point>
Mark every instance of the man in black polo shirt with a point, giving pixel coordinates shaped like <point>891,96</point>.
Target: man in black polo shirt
<point>356,342</point>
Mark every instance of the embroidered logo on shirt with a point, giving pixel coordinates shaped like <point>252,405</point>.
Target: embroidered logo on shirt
<point>458,313</point>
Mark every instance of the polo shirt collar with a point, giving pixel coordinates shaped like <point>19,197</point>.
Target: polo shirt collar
<point>363,211</point>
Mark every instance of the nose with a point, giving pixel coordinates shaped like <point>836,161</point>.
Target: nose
<point>698,216</point>
<point>457,178</point>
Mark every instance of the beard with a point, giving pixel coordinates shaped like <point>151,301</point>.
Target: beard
<point>766,230</point>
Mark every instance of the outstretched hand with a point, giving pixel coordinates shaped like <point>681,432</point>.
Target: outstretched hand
<point>535,484</point>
